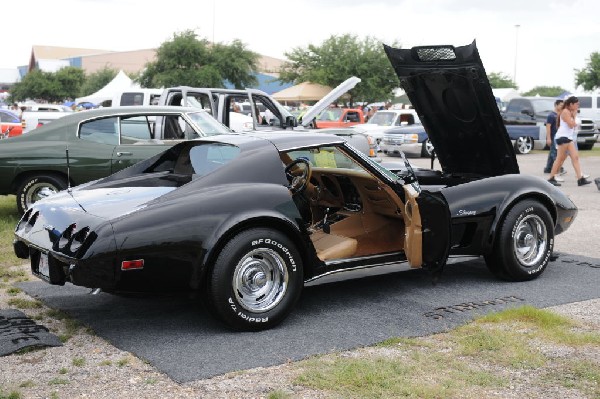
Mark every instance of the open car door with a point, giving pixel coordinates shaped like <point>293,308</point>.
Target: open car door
<point>427,228</point>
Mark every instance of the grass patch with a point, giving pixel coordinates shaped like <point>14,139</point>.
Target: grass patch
<point>79,362</point>
<point>123,362</point>
<point>426,374</point>
<point>63,371</point>
<point>8,221</point>
<point>465,362</point>
<point>21,303</point>
<point>545,324</point>
<point>9,395</point>
<point>12,291</point>
<point>279,395</point>
<point>27,384</point>
<point>58,381</point>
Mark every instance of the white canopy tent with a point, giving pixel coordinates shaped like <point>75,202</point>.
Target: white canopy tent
<point>120,83</point>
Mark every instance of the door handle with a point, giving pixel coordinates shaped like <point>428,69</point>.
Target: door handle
<point>120,154</point>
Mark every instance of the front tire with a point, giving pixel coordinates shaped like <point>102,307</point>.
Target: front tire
<point>524,243</point>
<point>426,149</point>
<point>256,280</point>
<point>36,187</point>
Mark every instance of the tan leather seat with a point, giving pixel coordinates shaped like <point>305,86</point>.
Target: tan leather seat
<point>331,246</point>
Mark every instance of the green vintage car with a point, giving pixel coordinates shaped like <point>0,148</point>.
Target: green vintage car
<point>88,145</point>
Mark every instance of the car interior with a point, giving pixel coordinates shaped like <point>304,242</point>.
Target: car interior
<point>348,211</point>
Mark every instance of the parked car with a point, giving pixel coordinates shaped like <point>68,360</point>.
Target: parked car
<point>385,119</point>
<point>10,124</point>
<point>36,115</point>
<point>268,115</point>
<point>85,146</point>
<point>408,139</point>
<point>247,220</point>
<point>340,117</point>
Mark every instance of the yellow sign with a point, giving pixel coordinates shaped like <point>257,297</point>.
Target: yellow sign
<point>325,159</point>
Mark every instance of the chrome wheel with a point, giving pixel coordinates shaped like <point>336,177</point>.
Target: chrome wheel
<point>427,148</point>
<point>260,280</point>
<point>39,191</point>
<point>524,145</point>
<point>530,240</point>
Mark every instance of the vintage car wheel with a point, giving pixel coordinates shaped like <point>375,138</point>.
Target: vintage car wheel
<point>523,145</point>
<point>37,187</point>
<point>256,280</point>
<point>524,243</point>
<point>427,149</point>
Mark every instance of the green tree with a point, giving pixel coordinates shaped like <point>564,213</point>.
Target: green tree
<point>545,91</point>
<point>499,80</point>
<point>49,86</point>
<point>187,60</point>
<point>340,57</point>
<point>97,80</point>
<point>589,77</point>
<point>36,85</point>
<point>68,81</point>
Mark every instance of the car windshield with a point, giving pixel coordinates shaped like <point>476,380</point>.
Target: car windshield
<point>382,118</point>
<point>331,114</point>
<point>207,124</point>
<point>543,105</point>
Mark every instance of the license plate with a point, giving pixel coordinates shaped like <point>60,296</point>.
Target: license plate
<point>43,267</point>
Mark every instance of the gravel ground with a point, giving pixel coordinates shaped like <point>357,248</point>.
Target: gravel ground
<point>87,366</point>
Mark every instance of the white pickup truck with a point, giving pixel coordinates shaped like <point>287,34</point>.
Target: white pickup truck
<point>36,115</point>
<point>265,113</point>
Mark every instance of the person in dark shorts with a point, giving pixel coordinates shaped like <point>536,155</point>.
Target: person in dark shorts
<point>551,126</point>
<point>565,134</point>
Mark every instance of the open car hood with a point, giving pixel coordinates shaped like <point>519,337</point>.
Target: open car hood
<point>451,93</point>
<point>333,95</point>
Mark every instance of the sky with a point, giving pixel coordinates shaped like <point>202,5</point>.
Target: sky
<point>538,43</point>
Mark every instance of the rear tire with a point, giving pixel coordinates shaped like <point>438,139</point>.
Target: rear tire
<point>523,145</point>
<point>36,187</point>
<point>524,243</point>
<point>256,280</point>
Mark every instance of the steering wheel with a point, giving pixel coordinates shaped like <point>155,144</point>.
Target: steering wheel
<point>298,174</point>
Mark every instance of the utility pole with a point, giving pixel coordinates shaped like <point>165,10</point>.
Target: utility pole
<point>516,51</point>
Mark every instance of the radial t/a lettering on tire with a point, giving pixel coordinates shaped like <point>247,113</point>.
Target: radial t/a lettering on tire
<point>256,280</point>
<point>36,187</point>
<point>524,242</point>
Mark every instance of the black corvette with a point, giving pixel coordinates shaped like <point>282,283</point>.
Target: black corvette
<point>247,220</point>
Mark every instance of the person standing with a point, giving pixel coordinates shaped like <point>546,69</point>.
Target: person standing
<point>565,135</point>
<point>551,126</point>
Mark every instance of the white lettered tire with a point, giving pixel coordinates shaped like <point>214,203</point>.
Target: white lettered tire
<point>36,187</point>
<point>256,280</point>
<point>524,242</point>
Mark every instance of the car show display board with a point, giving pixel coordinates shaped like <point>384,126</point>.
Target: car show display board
<point>176,335</point>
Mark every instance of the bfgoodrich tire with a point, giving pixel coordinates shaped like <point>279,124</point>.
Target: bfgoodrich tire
<point>37,187</point>
<point>256,280</point>
<point>524,243</point>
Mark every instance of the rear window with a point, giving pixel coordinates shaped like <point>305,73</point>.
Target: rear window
<point>196,160</point>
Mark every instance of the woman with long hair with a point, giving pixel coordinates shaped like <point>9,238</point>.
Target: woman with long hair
<point>565,144</point>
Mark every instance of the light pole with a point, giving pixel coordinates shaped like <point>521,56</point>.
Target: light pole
<point>516,50</point>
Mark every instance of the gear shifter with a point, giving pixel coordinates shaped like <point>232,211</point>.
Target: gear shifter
<point>326,226</point>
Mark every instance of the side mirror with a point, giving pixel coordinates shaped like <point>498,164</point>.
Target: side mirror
<point>527,112</point>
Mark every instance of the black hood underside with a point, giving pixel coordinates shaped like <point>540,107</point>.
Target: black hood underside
<point>451,93</point>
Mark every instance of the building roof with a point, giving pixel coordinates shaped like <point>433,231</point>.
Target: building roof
<point>59,53</point>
